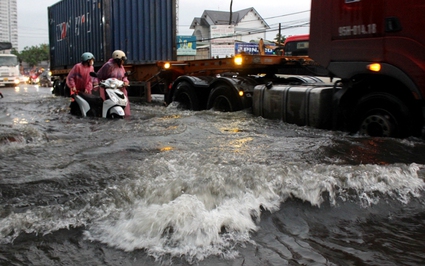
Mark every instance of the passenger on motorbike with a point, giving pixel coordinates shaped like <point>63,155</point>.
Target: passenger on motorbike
<point>79,79</point>
<point>114,68</point>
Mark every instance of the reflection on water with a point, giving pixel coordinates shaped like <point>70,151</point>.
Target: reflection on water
<point>167,148</point>
<point>21,121</point>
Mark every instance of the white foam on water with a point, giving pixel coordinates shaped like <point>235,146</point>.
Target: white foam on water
<point>196,208</point>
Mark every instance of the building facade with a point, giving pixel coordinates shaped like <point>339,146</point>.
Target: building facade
<point>220,31</point>
<point>248,24</point>
<point>9,22</point>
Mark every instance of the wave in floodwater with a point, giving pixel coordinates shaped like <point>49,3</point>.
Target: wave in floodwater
<point>188,184</point>
<point>178,204</point>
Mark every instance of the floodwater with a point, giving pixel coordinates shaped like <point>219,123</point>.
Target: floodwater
<point>173,187</point>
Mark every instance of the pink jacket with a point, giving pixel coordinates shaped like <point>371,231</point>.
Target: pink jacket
<point>79,78</point>
<point>111,70</point>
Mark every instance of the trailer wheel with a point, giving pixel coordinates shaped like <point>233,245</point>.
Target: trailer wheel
<point>186,96</point>
<point>382,115</point>
<point>66,90</point>
<point>56,88</point>
<point>222,99</point>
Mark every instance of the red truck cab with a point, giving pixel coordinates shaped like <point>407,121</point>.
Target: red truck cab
<point>296,45</point>
<point>377,48</point>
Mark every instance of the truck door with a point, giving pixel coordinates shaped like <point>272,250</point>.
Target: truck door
<point>405,39</point>
<point>346,31</point>
<point>357,31</point>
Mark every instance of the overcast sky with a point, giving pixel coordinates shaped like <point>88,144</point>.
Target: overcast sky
<point>32,16</point>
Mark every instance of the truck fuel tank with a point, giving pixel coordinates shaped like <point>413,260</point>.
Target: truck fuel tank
<point>301,105</point>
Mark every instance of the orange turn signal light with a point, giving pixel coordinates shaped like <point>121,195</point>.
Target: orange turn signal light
<point>238,60</point>
<point>375,67</point>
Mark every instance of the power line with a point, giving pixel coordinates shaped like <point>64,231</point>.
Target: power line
<point>290,14</point>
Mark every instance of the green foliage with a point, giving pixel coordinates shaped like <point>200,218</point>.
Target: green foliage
<point>15,52</point>
<point>33,55</point>
<point>280,38</point>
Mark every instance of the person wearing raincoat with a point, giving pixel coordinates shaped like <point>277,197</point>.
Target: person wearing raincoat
<point>79,79</point>
<point>114,68</point>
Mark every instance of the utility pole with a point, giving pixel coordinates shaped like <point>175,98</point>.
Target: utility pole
<point>177,17</point>
<point>231,13</point>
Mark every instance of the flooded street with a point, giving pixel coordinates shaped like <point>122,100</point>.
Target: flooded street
<point>173,187</point>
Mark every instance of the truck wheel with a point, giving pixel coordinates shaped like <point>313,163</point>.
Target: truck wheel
<point>223,99</point>
<point>382,115</point>
<point>56,88</point>
<point>66,90</point>
<point>186,96</point>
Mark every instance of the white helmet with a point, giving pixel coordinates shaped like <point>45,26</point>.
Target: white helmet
<point>118,54</point>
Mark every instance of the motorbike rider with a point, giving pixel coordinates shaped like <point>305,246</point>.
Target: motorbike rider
<point>114,68</point>
<point>79,79</point>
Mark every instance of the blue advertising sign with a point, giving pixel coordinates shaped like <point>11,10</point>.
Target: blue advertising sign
<point>186,45</point>
<point>250,48</point>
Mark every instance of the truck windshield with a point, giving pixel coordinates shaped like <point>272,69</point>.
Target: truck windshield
<point>8,60</point>
<point>296,48</point>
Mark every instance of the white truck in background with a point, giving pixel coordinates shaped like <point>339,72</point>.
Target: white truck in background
<point>9,70</point>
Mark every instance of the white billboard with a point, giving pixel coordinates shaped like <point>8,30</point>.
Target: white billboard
<point>222,33</point>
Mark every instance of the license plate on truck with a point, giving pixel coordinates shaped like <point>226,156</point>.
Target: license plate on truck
<point>300,105</point>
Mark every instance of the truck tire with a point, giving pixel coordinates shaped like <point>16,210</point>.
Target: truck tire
<point>61,88</point>
<point>382,115</point>
<point>56,88</point>
<point>66,90</point>
<point>223,99</point>
<point>186,96</point>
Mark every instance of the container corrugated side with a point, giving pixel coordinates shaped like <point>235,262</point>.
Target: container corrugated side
<point>75,27</point>
<point>143,29</point>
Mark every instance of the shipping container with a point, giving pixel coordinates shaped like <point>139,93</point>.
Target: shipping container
<point>144,29</point>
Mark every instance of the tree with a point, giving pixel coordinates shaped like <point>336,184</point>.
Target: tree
<point>280,39</point>
<point>15,52</point>
<point>33,55</point>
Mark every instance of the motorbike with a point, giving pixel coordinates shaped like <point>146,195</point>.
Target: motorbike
<point>34,79</point>
<point>94,106</point>
<point>45,79</point>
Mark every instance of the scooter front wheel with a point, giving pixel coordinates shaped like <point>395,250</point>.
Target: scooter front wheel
<point>114,116</point>
<point>116,112</point>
